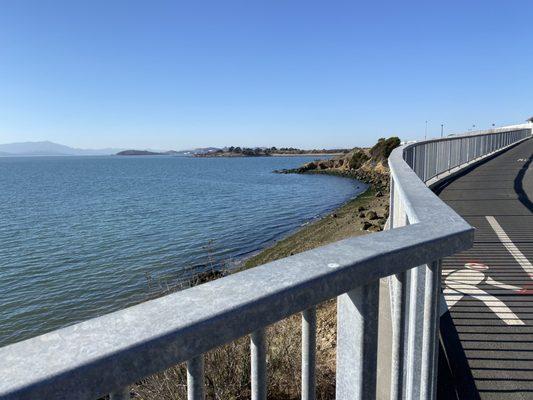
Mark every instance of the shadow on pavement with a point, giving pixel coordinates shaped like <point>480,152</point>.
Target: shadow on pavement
<point>455,379</point>
<point>519,186</point>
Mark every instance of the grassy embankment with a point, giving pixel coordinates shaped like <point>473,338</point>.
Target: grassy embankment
<point>227,369</point>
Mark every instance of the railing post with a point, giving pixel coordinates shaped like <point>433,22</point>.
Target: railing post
<point>430,332</point>
<point>416,277</point>
<point>308,354</point>
<point>398,288</point>
<point>357,338</point>
<point>122,394</point>
<point>195,378</point>
<point>259,373</point>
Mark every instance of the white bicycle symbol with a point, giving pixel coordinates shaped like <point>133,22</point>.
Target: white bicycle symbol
<point>463,282</point>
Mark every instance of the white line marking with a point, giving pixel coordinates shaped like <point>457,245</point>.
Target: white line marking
<point>510,246</point>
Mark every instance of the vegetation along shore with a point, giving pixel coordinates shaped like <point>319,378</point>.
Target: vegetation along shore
<point>233,151</point>
<point>227,369</point>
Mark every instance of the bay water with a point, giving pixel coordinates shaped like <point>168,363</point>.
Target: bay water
<point>85,236</point>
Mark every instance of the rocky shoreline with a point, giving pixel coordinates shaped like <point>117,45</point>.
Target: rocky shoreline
<point>364,214</point>
<point>368,165</point>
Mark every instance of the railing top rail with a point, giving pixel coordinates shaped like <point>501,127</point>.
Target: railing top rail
<point>483,132</point>
<point>97,356</point>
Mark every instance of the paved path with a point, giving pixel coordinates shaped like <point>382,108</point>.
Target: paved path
<point>489,288</point>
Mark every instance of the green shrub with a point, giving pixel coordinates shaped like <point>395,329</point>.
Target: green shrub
<point>358,159</point>
<point>382,149</point>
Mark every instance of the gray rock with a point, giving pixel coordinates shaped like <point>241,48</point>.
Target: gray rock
<point>371,215</point>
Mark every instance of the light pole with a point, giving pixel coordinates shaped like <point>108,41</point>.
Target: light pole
<point>441,130</point>
<point>426,131</point>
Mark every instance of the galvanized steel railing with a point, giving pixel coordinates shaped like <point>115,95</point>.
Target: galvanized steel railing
<point>414,293</point>
<point>106,354</point>
<point>430,158</point>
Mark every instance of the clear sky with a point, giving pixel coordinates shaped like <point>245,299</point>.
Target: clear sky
<point>182,74</point>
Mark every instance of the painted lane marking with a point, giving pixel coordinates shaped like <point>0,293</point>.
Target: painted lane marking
<point>510,246</point>
<point>456,289</point>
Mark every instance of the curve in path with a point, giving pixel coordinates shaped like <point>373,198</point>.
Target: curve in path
<point>488,333</point>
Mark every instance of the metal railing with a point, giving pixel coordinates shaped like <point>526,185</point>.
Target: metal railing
<point>106,354</point>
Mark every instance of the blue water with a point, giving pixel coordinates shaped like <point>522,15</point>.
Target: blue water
<point>80,235</point>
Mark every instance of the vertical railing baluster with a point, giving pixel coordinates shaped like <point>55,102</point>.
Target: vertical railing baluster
<point>414,332</point>
<point>398,287</point>
<point>430,331</point>
<point>195,378</point>
<point>308,354</point>
<point>439,298</point>
<point>357,339</point>
<point>259,372</point>
<point>122,394</point>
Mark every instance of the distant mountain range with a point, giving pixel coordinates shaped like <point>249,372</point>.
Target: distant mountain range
<point>49,149</point>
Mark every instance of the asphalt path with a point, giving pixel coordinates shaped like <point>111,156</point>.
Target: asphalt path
<point>488,332</point>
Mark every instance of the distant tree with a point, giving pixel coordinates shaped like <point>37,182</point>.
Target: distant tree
<point>530,120</point>
<point>231,149</point>
<point>238,150</point>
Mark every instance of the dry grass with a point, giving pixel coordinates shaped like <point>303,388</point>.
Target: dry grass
<point>227,368</point>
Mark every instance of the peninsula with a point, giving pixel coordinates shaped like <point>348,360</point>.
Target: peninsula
<point>368,165</point>
<point>233,151</point>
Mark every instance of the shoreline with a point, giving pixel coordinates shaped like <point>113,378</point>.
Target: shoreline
<point>340,223</point>
<point>263,155</point>
<point>307,155</point>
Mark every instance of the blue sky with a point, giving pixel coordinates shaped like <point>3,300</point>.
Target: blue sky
<point>176,74</point>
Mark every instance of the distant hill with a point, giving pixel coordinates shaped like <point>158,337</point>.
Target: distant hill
<point>49,149</point>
